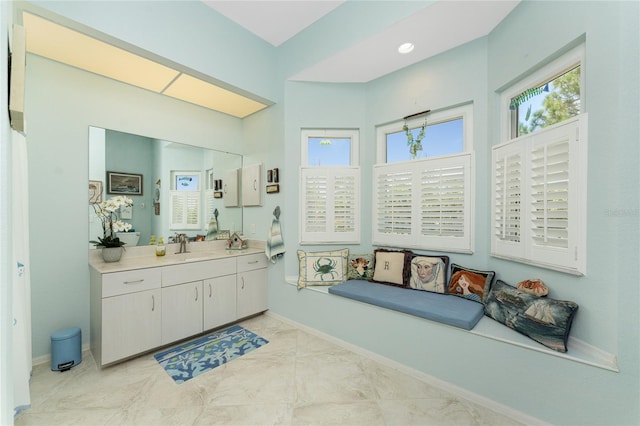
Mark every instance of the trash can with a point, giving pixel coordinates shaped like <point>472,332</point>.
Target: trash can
<point>66,349</point>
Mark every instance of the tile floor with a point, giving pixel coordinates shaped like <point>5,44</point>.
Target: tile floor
<point>296,379</point>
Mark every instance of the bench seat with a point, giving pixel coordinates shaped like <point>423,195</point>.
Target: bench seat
<point>444,308</point>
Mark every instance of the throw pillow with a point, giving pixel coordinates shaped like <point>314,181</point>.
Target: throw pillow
<point>322,267</point>
<point>391,267</point>
<point>360,266</point>
<point>470,283</point>
<point>543,319</point>
<point>429,273</point>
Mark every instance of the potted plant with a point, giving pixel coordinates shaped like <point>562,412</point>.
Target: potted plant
<point>107,212</point>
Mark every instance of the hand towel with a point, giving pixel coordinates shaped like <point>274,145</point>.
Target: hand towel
<point>275,245</point>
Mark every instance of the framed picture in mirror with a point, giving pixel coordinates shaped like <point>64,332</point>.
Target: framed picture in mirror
<point>124,183</point>
<point>95,191</point>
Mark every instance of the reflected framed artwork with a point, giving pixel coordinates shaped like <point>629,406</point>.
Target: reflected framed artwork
<point>124,183</point>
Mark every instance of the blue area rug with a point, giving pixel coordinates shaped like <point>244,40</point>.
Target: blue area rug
<point>190,359</point>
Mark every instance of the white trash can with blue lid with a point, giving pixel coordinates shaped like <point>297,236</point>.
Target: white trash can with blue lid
<point>66,349</point>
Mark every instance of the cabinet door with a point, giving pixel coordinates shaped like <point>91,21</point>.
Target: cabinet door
<point>181,311</point>
<point>219,301</point>
<point>130,324</point>
<point>252,292</point>
<point>230,188</point>
<point>251,185</point>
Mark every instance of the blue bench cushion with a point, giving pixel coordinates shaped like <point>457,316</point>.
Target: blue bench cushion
<point>447,309</point>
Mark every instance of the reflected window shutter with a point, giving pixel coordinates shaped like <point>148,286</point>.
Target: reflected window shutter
<point>330,205</point>
<point>177,209</point>
<point>185,209</point>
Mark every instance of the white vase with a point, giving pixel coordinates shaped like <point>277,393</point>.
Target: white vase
<point>111,254</point>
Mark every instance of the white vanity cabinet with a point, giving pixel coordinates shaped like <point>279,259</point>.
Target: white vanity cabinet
<point>181,311</point>
<point>219,300</point>
<point>138,310</point>
<point>183,289</point>
<point>125,313</point>
<point>251,284</point>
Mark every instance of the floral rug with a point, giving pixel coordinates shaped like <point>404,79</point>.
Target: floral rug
<point>193,358</point>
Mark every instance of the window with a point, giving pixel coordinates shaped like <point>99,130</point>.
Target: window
<point>185,200</point>
<point>330,187</point>
<point>329,147</point>
<point>447,132</point>
<point>539,178</point>
<point>548,96</point>
<point>426,203</point>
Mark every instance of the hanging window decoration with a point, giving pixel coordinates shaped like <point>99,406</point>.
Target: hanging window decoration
<point>526,95</point>
<point>415,143</point>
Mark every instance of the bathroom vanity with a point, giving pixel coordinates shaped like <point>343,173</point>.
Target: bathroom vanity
<point>144,302</point>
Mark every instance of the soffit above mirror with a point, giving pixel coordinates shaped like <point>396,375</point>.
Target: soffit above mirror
<point>63,44</point>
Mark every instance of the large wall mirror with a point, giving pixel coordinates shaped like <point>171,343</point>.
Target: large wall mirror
<point>175,188</point>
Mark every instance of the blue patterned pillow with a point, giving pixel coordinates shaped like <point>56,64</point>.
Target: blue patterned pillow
<point>543,319</point>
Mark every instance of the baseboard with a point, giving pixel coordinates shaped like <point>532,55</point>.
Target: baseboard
<point>46,358</point>
<point>431,380</point>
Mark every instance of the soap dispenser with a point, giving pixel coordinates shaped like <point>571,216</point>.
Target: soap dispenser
<point>161,249</point>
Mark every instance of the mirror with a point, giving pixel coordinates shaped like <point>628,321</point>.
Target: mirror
<point>175,188</point>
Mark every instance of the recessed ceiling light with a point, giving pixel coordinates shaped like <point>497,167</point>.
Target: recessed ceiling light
<point>405,48</point>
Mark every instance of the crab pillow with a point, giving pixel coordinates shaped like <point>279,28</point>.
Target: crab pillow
<point>322,267</point>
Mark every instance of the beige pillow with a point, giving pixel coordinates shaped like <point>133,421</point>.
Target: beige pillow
<point>322,267</point>
<point>390,267</point>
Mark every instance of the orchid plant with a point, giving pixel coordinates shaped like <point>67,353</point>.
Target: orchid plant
<point>107,212</point>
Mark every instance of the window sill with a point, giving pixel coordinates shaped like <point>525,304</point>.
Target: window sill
<point>578,350</point>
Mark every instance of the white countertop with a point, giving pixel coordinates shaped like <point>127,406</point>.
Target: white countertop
<point>141,257</point>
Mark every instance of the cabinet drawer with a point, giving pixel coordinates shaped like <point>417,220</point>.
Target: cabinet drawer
<point>197,271</point>
<point>117,283</point>
<point>251,262</point>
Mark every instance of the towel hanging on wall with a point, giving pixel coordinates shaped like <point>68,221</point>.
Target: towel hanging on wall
<point>212,232</point>
<point>274,247</point>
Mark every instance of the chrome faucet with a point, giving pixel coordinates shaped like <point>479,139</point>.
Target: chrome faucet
<point>182,239</point>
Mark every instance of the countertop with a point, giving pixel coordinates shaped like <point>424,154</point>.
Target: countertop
<point>141,257</point>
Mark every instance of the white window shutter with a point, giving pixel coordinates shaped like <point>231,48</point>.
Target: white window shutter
<point>424,204</point>
<point>392,203</point>
<point>507,200</point>
<point>552,185</point>
<point>330,211</point>
<point>539,204</point>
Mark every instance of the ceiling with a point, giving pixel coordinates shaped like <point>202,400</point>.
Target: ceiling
<point>439,26</point>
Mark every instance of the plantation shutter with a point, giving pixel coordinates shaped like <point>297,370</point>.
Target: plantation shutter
<point>393,204</point>
<point>185,209</point>
<point>424,204</point>
<point>539,199</point>
<point>443,195</point>
<point>507,200</point>
<point>330,201</point>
